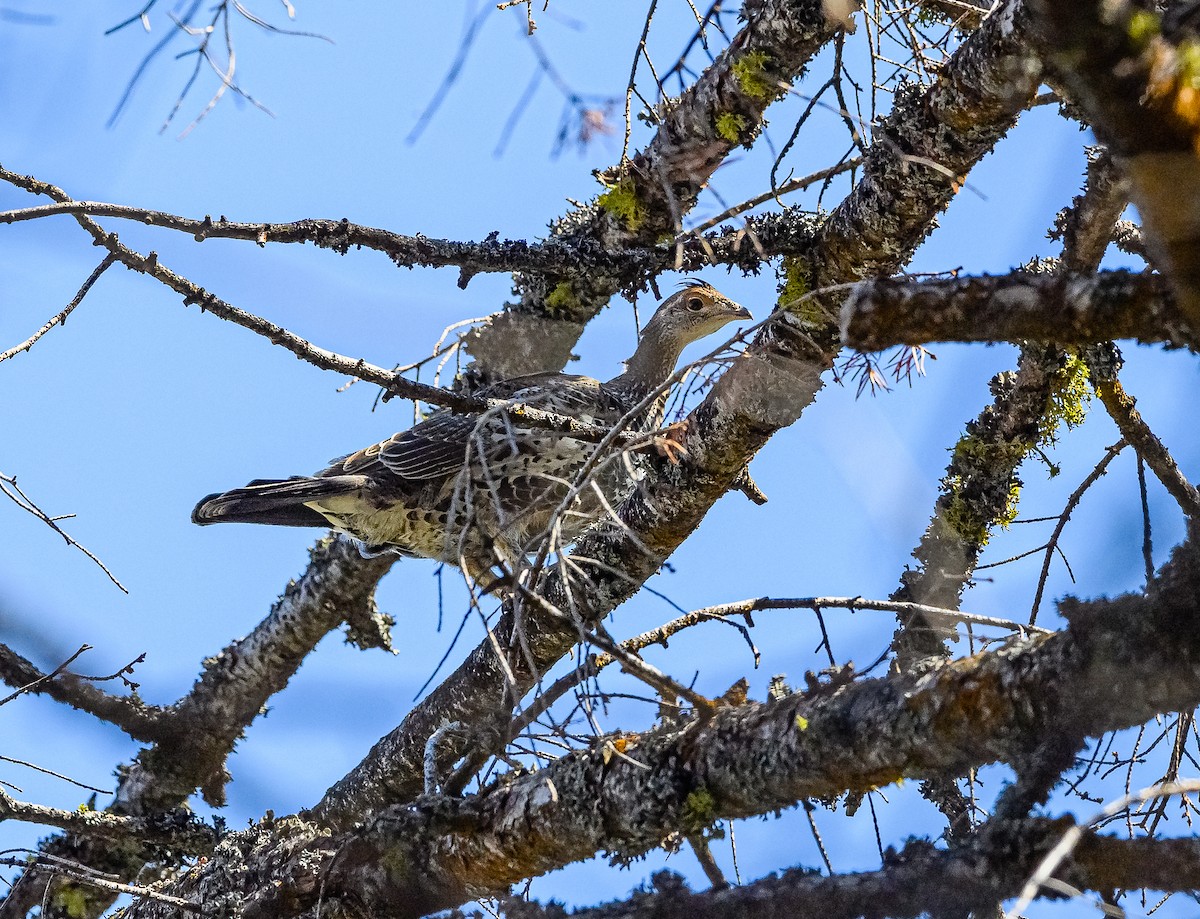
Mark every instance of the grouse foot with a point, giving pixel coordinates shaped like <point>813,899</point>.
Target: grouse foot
<point>668,443</point>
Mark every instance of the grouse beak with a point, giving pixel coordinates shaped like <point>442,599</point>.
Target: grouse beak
<point>742,313</point>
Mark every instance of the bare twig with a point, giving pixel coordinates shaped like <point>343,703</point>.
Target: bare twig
<point>789,186</point>
<point>56,775</point>
<point>722,613</point>
<point>60,318</point>
<point>43,863</point>
<point>1052,544</point>
<point>12,491</point>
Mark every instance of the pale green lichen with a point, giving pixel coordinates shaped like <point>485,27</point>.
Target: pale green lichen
<point>731,126</point>
<point>622,202</point>
<point>1070,396</point>
<point>750,71</point>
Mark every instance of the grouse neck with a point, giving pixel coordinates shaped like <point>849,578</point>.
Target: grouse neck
<point>651,365</point>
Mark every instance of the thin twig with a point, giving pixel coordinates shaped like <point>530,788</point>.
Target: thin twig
<point>60,318</point>
<point>1072,502</point>
<point>78,872</point>
<point>788,186</point>
<point>22,500</point>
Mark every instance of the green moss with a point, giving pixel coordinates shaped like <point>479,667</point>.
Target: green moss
<point>1187,57</point>
<point>962,517</point>
<point>562,299</point>
<point>752,74</point>
<point>622,202</point>
<point>977,458</point>
<point>793,294</point>
<point>1143,26</point>
<point>699,811</point>
<point>72,900</point>
<point>731,126</point>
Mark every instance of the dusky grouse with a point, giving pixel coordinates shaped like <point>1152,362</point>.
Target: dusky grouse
<point>477,489</point>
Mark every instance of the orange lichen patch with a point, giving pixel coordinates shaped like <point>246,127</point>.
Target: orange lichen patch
<point>969,699</point>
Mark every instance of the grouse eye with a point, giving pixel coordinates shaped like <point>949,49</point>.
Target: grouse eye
<point>695,304</point>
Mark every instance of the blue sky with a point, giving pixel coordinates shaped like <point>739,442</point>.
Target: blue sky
<point>138,407</point>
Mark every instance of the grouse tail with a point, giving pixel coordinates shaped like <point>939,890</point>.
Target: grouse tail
<point>280,502</point>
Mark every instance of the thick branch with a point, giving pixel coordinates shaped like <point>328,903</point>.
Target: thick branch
<point>197,734</point>
<point>1119,663</point>
<point>924,149</point>
<point>133,716</point>
<point>1060,308</point>
<point>977,492</point>
<point>662,182</point>
<point>917,881</point>
<point>237,683</point>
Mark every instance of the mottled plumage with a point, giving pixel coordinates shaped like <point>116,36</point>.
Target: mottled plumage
<point>477,489</point>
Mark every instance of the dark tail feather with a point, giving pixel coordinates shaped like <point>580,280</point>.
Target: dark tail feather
<point>280,502</point>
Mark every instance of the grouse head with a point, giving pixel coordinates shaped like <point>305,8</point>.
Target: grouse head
<point>694,312</point>
<point>683,318</point>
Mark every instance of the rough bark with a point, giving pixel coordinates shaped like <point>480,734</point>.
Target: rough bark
<point>919,880</point>
<point>1066,309</point>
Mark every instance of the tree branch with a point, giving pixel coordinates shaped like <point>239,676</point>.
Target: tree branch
<point>179,830</point>
<point>917,881</point>
<point>754,758</point>
<point>196,735</point>
<point>60,317</point>
<point>631,266</point>
<point>1061,308</point>
<point>1122,408</point>
<point>133,716</point>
